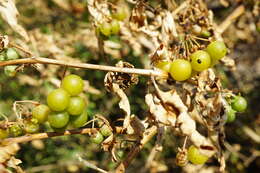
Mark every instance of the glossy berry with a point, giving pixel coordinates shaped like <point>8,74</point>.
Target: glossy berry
<point>58,119</point>
<point>80,120</point>
<point>58,99</point>
<point>180,70</point>
<point>11,54</point>
<point>120,14</point>
<point>30,127</point>
<point>41,113</point>
<point>200,60</point>
<point>115,27</point>
<point>239,104</point>
<point>3,133</point>
<point>10,70</point>
<point>216,50</point>
<point>97,138</point>
<point>73,84</point>
<point>195,157</point>
<point>16,130</point>
<point>105,28</point>
<point>105,130</point>
<point>164,65</point>
<point>76,105</point>
<point>231,114</point>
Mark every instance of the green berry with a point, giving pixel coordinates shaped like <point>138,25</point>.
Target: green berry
<point>58,119</point>
<point>30,127</point>
<point>231,114</point>
<point>11,54</point>
<point>217,50</point>
<point>3,133</point>
<point>239,104</point>
<point>97,138</point>
<point>200,60</point>
<point>2,57</point>
<point>164,65</point>
<point>58,99</point>
<point>105,28</point>
<point>120,14</point>
<point>10,70</point>
<point>73,84</point>
<point>180,70</point>
<point>195,157</point>
<point>76,105</point>
<point>105,130</point>
<point>16,130</point>
<point>80,120</point>
<point>41,113</point>
<point>115,27</point>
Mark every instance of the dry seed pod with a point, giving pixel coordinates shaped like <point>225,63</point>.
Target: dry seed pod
<point>181,157</point>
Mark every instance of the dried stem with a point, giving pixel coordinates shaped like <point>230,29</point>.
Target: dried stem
<point>230,19</point>
<point>148,134</point>
<point>146,72</point>
<point>32,137</point>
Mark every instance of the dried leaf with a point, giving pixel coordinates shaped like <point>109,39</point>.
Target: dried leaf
<point>7,152</point>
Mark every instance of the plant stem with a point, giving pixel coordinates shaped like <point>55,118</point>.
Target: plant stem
<point>146,72</point>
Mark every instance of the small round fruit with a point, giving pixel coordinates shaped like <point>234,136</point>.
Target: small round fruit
<point>11,54</point>
<point>97,138</point>
<point>105,28</point>
<point>58,119</point>
<point>2,57</point>
<point>115,27</point>
<point>58,99</point>
<point>10,70</point>
<point>180,70</point>
<point>195,157</point>
<point>164,65</point>
<point>105,130</point>
<point>239,104</point>
<point>231,114</point>
<point>3,133</point>
<point>30,127</point>
<point>120,14</point>
<point>76,105</point>
<point>200,60</point>
<point>73,84</point>
<point>80,120</point>
<point>41,113</point>
<point>16,130</point>
<point>217,50</point>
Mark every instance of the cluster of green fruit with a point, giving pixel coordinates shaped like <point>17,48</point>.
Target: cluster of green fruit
<point>113,27</point>
<point>237,104</point>
<point>9,54</point>
<point>64,107</point>
<point>104,131</point>
<point>200,60</point>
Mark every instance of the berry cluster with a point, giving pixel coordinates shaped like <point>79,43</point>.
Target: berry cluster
<point>9,54</point>
<point>113,26</point>
<point>200,60</point>
<point>236,104</point>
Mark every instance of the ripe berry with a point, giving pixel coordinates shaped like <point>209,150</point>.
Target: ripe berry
<point>80,120</point>
<point>11,54</point>
<point>3,133</point>
<point>76,105</point>
<point>200,60</point>
<point>217,50</point>
<point>115,27</point>
<point>105,130</point>
<point>73,84</point>
<point>195,157</point>
<point>58,119</point>
<point>105,28</point>
<point>97,138</point>
<point>41,113</point>
<point>164,65</point>
<point>180,70</point>
<point>58,99</point>
<point>239,104</point>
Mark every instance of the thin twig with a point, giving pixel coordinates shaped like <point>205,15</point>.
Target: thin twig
<point>91,165</point>
<point>146,72</point>
<point>148,134</point>
<point>230,19</point>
